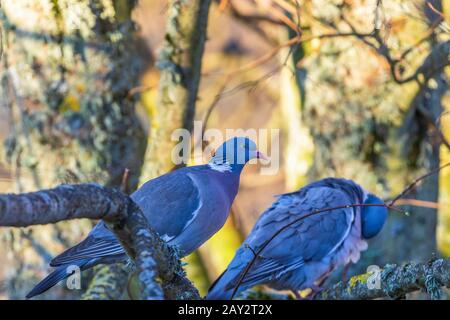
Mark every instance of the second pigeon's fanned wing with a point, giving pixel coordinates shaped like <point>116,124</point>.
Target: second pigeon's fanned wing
<point>100,243</point>
<point>307,240</point>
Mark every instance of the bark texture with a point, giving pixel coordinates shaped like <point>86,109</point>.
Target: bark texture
<point>67,84</point>
<point>107,283</point>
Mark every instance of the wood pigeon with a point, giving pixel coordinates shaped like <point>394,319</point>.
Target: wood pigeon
<point>186,207</point>
<point>305,252</point>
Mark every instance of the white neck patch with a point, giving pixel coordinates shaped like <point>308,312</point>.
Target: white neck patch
<point>220,166</point>
<point>366,195</point>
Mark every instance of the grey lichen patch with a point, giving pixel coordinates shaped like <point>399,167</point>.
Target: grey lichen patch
<point>150,288</point>
<point>433,287</point>
<point>144,233</point>
<point>108,283</point>
<point>396,282</point>
<point>73,75</point>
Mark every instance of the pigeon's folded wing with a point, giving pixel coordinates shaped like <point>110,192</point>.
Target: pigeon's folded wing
<point>170,202</point>
<point>301,240</point>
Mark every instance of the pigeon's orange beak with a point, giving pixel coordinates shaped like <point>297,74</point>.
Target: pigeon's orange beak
<point>260,155</point>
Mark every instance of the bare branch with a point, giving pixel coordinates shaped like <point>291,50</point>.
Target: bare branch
<point>125,185</point>
<point>419,203</point>
<point>439,13</point>
<point>436,61</point>
<point>414,184</point>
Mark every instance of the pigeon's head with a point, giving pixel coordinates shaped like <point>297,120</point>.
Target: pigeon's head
<point>233,154</point>
<point>373,217</point>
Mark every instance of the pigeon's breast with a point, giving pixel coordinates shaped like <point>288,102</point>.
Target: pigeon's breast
<point>351,248</point>
<point>214,206</point>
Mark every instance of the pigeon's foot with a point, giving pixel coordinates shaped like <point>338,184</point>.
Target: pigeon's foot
<point>297,295</point>
<point>315,290</point>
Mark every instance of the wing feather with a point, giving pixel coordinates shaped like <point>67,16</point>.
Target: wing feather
<point>310,239</point>
<point>170,202</point>
<point>88,249</point>
<point>100,243</point>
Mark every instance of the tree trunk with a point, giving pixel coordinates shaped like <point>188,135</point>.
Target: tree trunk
<point>74,117</point>
<point>179,61</point>
<point>353,111</point>
<point>67,83</point>
<point>413,238</point>
<point>298,145</point>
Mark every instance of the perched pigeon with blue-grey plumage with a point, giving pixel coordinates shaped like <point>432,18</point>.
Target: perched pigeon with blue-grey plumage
<point>307,251</point>
<point>186,207</point>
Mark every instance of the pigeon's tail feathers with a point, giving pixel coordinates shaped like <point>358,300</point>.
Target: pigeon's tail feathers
<point>59,274</point>
<point>89,248</point>
<point>219,289</point>
<point>224,288</point>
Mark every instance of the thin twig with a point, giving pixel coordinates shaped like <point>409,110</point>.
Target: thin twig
<point>435,126</point>
<point>288,21</point>
<point>286,6</point>
<point>440,14</point>
<point>382,49</point>
<point>438,120</point>
<point>139,89</point>
<point>419,203</point>
<point>263,59</point>
<point>125,185</point>
<point>416,182</point>
<point>223,4</point>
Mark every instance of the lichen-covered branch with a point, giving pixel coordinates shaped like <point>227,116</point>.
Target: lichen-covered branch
<point>394,282</point>
<point>107,283</point>
<point>154,259</point>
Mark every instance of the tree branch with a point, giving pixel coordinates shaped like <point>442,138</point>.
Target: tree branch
<point>153,257</point>
<point>395,282</point>
<point>108,282</point>
<point>436,60</point>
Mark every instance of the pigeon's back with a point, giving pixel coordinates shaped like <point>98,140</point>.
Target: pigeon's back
<point>293,252</point>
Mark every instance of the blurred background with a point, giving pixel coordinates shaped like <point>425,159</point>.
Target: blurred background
<point>358,89</point>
